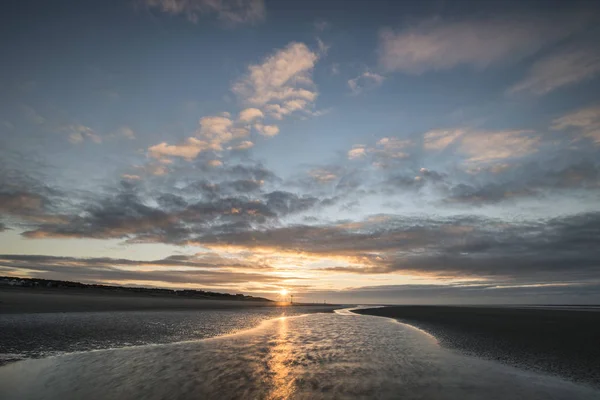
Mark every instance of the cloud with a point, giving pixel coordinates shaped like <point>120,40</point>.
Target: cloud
<point>244,145</point>
<point>201,270</point>
<point>323,47</point>
<point>128,213</point>
<point>512,182</point>
<point>437,140</point>
<point>283,77</point>
<point>465,293</point>
<point>217,128</point>
<point>386,151</point>
<point>391,147</point>
<point>215,163</point>
<point>585,122</point>
<point>278,111</point>
<point>285,203</point>
<point>436,45</point>
<point>32,115</point>
<point>131,177</point>
<point>461,247</point>
<point>20,202</point>
<point>214,131</point>
<point>489,146</point>
<point>188,150</point>
<point>28,206</point>
<point>281,85</point>
<point>366,80</point>
<point>358,151</point>
<point>322,175</point>
<point>78,133</point>
<point>267,130</point>
<point>250,114</point>
<point>483,146</point>
<point>486,194</point>
<point>564,68</point>
<point>232,12</point>
<point>126,132</point>
<point>156,169</point>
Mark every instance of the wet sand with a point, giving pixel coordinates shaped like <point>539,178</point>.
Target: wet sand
<point>316,356</point>
<point>19,301</point>
<point>556,341</point>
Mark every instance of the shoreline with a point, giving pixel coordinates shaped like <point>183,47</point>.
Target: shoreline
<point>558,342</point>
<point>36,301</point>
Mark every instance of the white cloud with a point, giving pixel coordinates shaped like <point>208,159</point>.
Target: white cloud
<point>439,45</point>
<point>391,147</point>
<point>357,152</point>
<point>483,146</point>
<point>386,151</point>
<point>490,146</point>
<point>439,139</point>
<point>267,130</point>
<point>245,145</point>
<point>131,177</point>
<point>323,175</point>
<point>230,11</point>
<point>279,86</point>
<point>250,114</point>
<point>216,128</point>
<point>286,75</point>
<point>187,150</point>
<point>215,163</point>
<point>366,80</point>
<point>278,111</point>
<point>566,67</point>
<point>585,121</point>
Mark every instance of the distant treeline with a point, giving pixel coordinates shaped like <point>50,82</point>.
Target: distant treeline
<point>54,284</point>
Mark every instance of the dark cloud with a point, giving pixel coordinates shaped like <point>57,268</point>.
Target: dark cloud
<point>204,260</point>
<point>27,199</point>
<point>285,203</point>
<point>104,270</point>
<point>560,249</point>
<point>118,216</point>
<point>465,293</point>
<point>492,193</point>
<point>255,172</point>
<point>169,201</point>
<point>526,181</point>
<point>247,206</point>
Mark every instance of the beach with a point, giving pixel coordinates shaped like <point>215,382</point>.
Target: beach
<point>562,342</point>
<point>314,356</point>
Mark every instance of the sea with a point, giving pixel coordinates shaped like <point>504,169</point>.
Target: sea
<point>249,354</point>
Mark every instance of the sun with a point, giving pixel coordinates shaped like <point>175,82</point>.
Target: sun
<point>283,292</point>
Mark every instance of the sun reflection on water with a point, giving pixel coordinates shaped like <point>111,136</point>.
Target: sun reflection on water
<point>279,359</point>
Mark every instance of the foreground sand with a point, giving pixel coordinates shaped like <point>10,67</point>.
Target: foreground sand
<point>16,301</point>
<point>561,342</point>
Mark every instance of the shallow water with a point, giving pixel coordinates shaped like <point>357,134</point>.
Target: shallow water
<point>41,335</point>
<point>308,357</point>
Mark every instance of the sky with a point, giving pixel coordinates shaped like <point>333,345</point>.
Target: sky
<point>418,152</point>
